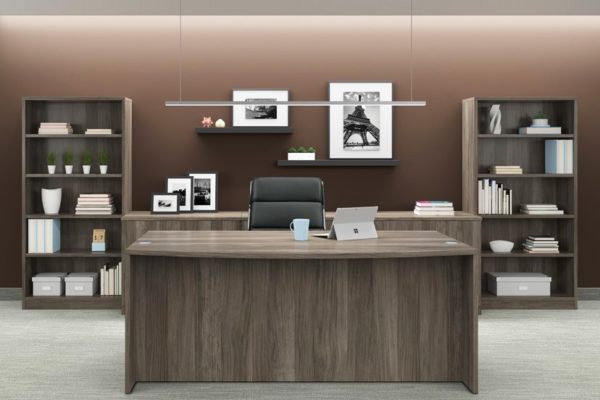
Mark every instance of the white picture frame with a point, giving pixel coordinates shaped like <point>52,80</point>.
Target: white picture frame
<point>181,185</point>
<point>165,203</point>
<point>204,187</point>
<point>259,115</point>
<point>365,133</point>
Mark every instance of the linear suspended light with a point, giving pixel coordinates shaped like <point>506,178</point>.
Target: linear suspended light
<point>210,103</point>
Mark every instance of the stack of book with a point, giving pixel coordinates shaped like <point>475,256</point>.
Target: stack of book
<point>493,198</point>
<point>559,156</point>
<point>541,245</point>
<point>95,204</point>
<point>541,209</point>
<point>506,169</point>
<point>98,131</point>
<point>434,208</point>
<point>55,128</point>
<point>540,130</point>
<point>110,280</point>
<point>43,235</point>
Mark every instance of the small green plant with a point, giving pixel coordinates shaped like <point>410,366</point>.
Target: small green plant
<point>51,159</point>
<point>311,150</point>
<point>540,115</point>
<point>86,158</point>
<point>292,150</point>
<point>301,149</point>
<point>103,158</point>
<point>68,157</point>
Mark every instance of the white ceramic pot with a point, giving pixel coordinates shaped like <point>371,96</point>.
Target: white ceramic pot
<point>51,200</point>
<point>540,122</point>
<point>51,169</point>
<point>68,169</point>
<point>87,169</point>
<point>103,169</point>
<point>301,156</point>
<point>501,246</point>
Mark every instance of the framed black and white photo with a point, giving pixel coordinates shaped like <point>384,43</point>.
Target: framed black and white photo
<point>204,191</point>
<point>181,185</point>
<point>165,203</point>
<point>260,114</point>
<point>360,131</point>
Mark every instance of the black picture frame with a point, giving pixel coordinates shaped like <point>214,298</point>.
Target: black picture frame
<point>152,210</point>
<point>187,204</point>
<point>214,192</point>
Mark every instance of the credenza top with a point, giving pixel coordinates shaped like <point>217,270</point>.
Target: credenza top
<point>243,215</point>
<point>280,245</point>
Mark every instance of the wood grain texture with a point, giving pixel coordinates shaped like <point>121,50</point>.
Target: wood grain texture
<point>354,320</point>
<point>281,245</point>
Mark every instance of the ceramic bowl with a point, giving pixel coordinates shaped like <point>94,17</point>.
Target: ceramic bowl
<point>501,246</point>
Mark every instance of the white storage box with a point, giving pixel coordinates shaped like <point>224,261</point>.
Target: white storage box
<point>81,284</point>
<point>518,283</point>
<point>49,284</point>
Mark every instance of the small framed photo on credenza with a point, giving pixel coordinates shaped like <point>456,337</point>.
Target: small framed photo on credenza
<point>165,203</point>
<point>181,185</point>
<point>264,114</point>
<point>204,193</point>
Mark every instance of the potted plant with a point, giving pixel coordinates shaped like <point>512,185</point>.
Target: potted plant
<point>301,153</point>
<point>103,160</point>
<point>68,161</point>
<point>540,119</point>
<point>86,162</point>
<point>51,163</point>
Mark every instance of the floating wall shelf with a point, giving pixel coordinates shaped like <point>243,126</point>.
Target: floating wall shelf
<point>240,130</point>
<point>338,163</point>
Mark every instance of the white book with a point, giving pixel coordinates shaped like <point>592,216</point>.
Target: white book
<point>542,130</point>
<point>560,157</point>
<point>41,240</point>
<point>31,236</point>
<point>111,282</point>
<point>479,197</point>
<point>52,235</point>
<point>510,201</point>
<point>568,156</point>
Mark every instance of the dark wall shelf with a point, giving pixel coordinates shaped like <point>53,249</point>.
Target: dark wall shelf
<point>246,130</point>
<point>338,163</point>
<point>525,137</point>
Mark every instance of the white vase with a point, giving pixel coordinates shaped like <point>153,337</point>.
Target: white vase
<point>68,169</point>
<point>51,200</point>
<point>51,169</point>
<point>103,169</point>
<point>86,169</point>
<point>540,122</point>
<point>495,119</point>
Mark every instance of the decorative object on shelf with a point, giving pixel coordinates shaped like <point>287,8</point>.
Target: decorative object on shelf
<point>259,112</point>
<point>540,120</point>
<point>99,240</point>
<point>300,153</point>
<point>220,123</point>
<point>165,203</point>
<point>51,163</point>
<point>207,122</point>
<point>51,199</point>
<point>103,161</point>
<point>181,185</point>
<point>501,246</point>
<point>68,161</point>
<point>495,119</point>
<point>86,162</point>
<point>357,131</point>
<point>204,186</point>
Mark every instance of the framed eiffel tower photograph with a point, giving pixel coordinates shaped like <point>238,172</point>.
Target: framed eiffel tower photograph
<point>360,131</point>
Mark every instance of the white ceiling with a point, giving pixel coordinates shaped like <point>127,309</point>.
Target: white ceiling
<point>299,7</point>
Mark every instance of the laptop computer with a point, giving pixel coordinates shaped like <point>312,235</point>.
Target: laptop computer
<point>352,223</point>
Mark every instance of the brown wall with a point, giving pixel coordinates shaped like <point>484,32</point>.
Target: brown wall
<point>455,57</point>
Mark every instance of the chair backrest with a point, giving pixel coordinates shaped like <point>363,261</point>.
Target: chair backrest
<point>276,201</point>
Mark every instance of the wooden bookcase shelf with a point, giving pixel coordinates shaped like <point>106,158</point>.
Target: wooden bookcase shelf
<point>76,230</point>
<point>482,150</point>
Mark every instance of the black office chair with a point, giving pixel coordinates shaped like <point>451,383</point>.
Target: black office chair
<point>276,201</point>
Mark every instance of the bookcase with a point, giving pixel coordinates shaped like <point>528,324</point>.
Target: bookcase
<point>482,150</point>
<point>76,230</point>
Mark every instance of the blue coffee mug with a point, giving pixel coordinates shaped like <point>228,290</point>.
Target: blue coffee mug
<point>300,228</point>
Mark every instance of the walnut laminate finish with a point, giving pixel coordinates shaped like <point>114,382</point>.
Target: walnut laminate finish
<point>407,313</point>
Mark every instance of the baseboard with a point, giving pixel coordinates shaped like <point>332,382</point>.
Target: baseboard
<point>592,293</point>
<point>10,294</point>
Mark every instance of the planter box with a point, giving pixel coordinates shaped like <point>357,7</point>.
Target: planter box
<point>301,156</point>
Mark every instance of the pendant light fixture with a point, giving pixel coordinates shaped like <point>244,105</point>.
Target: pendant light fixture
<point>294,103</point>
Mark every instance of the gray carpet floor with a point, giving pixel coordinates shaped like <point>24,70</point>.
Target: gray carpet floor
<point>75,355</point>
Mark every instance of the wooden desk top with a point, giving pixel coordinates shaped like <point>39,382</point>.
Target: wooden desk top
<point>280,245</point>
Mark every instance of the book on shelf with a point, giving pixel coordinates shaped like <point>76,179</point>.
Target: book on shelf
<point>95,204</point>
<point>505,170</point>
<point>98,131</point>
<point>559,156</point>
<point>493,198</point>
<point>541,209</point>
<point>111,280</point>
<point>43,236</point>
<point>434,208</point>
<point>541,245</point>
<point>55,128</point>
<point>540,130</point>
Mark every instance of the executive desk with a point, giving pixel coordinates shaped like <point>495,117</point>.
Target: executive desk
<point>258,306</point>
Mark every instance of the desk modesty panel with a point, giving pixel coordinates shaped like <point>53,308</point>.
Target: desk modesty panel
<point>257,306</point>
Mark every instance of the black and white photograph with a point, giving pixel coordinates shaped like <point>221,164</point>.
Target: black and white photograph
<point>204,189</point>
<point>357,130</point>
<point>259,112</point>
<point>165,203</point>
<point>182,186</point>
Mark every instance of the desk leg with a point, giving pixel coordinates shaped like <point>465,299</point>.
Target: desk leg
<point>130,375</point>
<point>474,289</point>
